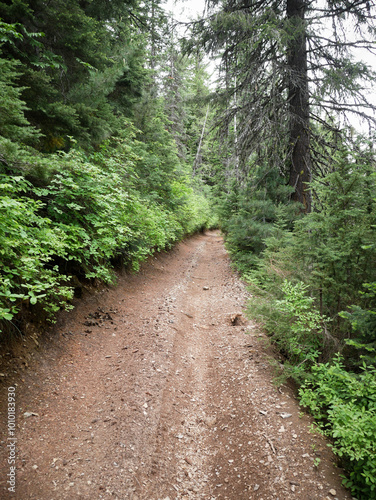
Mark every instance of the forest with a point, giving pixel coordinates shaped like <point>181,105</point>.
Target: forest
<point>117,139</point>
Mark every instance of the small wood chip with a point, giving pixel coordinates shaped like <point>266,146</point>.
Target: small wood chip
<point>188,315</point>
<point>270,443</point>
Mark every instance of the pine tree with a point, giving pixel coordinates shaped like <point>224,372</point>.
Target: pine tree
<point>13,123</point>
<point>281,74</point>
<point>80,68</point>
<point>174,90</point>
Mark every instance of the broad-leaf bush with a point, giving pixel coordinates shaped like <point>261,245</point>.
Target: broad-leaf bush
<point>81,213</point>
<point>344,404</point>
<point>28,244</point>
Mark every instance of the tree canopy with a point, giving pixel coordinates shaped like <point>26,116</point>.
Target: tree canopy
<point>287,73</point>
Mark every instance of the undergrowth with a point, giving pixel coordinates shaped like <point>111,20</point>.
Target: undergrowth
<point>313,291</point>
<point>75,215</point>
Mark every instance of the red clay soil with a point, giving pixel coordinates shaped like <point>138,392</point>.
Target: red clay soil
<point>159,388</point>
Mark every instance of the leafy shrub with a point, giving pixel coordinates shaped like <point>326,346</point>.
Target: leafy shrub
<point>345,406</point>
<point>291,320</point>
<point>92,208</point>
<point>28,244</point>
<point>79,214</point>
<point>304,337</point>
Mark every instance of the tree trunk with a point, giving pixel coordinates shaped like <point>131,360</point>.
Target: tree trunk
<point>197,159</point>
<point>300,167</point>
<point>152,48</point>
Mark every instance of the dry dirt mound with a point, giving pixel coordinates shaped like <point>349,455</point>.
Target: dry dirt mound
<point>160,389</point>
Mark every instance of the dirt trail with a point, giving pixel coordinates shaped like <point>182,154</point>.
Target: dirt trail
<point>156,390</point>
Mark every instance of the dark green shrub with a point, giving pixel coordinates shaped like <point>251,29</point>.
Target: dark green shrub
<point>344,404</point>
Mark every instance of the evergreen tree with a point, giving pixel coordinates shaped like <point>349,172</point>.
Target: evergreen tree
<point>174,90</point>
<point>281,73</point>
<point>80,67</point>
<point>13,123</point>
<point>199,117</point>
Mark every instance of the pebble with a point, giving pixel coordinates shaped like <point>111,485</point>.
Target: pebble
<point>286,415</point>
<point>333,492</point>
<point>28,414</point>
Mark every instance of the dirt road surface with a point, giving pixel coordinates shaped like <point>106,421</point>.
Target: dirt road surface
<point>159,389</point>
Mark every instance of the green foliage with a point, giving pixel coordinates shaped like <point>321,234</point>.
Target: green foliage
<point>90,207</point>
<point>304,339</point>
<point>362,346</point>
<point>331,249</point>
<point>78,71</point>
<point>13,123</point>
<point>314,291</point>
<point>363,320</point>
<point>81,214</point>
<point>345,405</point>
<point>28,244</point>
<point>254,212</point>
<point>8,32</point>
<point>336,241</point>
<point>291,320</point>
